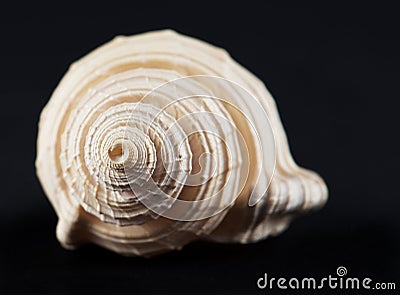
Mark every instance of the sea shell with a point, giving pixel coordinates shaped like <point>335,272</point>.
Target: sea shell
<point>155,140</point>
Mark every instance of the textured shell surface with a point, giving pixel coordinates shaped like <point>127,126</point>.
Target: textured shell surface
<point>156,140</point>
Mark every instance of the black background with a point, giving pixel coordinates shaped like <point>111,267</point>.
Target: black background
<point>333,71</point>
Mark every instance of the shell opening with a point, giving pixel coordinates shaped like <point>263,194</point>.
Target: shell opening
<point>117,153</point>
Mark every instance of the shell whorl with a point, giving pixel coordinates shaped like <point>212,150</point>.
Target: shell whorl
<point>154,140</point>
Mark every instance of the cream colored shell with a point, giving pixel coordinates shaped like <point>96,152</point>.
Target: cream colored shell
<point>96,124</point>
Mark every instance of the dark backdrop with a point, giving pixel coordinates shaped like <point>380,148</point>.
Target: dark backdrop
<point>334,73</point>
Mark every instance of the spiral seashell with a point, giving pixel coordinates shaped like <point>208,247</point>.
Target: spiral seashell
<point>155,140</point>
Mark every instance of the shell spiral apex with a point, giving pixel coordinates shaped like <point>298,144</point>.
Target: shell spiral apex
<point>158,139</point>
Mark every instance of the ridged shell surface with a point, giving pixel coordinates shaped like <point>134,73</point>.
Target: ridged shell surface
<point>155,140</point>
